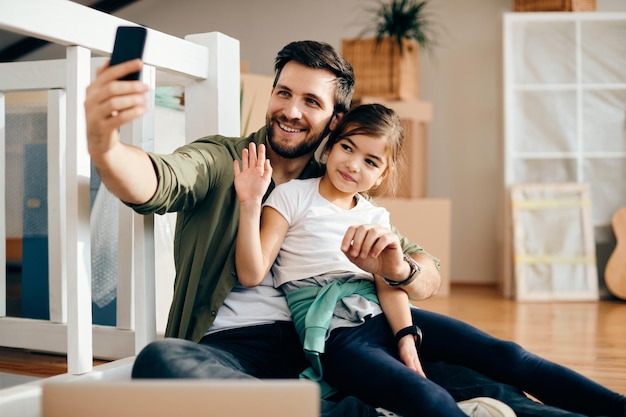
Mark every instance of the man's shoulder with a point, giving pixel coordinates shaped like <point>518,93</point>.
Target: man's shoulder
<point>219,140</point>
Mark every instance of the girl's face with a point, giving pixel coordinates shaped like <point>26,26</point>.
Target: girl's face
<point>357,163</point>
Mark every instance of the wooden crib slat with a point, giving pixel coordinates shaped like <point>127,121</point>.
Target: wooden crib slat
<point>79,349</point>
<point>3,231</point>
<point>57,207</point>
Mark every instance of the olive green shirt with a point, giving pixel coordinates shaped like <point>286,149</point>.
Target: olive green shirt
<point>196,181</point>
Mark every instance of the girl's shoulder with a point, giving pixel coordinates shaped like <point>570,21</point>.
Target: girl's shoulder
<point>366,203</point>
<point>298,185</point>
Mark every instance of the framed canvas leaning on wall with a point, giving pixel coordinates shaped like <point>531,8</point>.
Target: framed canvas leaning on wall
<point>553,242</point>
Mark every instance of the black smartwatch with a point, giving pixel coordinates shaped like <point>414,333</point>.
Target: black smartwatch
<point>413,330</point>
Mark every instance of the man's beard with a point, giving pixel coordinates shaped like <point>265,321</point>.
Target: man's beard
<point>304,148</point>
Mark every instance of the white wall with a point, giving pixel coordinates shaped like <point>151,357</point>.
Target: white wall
<point>463,80</point>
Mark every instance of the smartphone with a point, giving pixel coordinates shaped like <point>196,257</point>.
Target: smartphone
<point>129,44</point>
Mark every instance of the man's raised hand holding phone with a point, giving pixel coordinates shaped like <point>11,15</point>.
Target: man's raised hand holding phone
<point>114,98</point>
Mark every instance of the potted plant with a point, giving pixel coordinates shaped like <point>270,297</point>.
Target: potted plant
<point>386,65</point>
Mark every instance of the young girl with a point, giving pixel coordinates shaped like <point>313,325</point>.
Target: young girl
<point>305,238</point>
<point>307,231</point>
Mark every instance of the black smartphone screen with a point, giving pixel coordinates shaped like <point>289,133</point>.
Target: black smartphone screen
<point>129,44</point>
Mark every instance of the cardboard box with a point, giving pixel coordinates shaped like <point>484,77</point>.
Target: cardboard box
<point>255,93</point>
<point>427,222</point>
<point>412,180</point>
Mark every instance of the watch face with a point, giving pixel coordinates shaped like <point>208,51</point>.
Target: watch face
<point>418,336</point>
<point>415,268</point>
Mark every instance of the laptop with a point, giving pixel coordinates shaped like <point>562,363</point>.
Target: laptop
<point>181,398</point>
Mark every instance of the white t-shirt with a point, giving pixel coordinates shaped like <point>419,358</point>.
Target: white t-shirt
<point>312,245</point>
<point>265,303</point>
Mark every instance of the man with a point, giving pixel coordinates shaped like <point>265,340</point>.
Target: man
<point>216,328</point>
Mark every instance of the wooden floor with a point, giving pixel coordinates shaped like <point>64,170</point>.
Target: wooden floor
<point>589,337</point>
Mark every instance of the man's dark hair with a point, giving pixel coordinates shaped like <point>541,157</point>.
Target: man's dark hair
<point>320,55</point>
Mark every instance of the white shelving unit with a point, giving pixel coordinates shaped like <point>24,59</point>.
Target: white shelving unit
<point>565,109</point>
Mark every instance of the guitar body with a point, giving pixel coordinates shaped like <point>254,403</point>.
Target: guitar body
<point>615,271</point>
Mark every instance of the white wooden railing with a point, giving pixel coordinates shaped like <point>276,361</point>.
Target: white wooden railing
<point>207,65</point>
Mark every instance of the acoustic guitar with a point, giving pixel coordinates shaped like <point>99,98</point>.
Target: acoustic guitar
<point>615,271</point>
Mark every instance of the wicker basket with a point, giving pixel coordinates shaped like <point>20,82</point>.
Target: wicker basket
<point>554,5</point>
<point>381,71</point>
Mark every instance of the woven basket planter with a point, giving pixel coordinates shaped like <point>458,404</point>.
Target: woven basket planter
<point>554,5</point>
<point>381,71</point>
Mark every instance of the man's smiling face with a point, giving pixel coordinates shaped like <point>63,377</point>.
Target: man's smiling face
<point>300,110</point>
